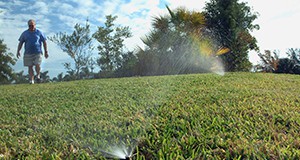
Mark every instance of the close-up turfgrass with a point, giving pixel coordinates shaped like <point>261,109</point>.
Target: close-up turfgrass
<point>196,116</point>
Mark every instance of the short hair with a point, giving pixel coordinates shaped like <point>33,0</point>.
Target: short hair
<point>31,20</point>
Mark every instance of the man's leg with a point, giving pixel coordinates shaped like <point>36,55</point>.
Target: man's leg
<point>37,62</point>
<point>38,70</point>
<point>31,74</point>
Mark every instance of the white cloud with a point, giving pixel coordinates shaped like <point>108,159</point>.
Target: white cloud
<point>188,4</point>
<point>87,8</point>
<point>63,8</point>
<point>138,16</point>
<point>111,7</point>
<point>138,6</point>
<point>40,7</point>
<point>84,3</point>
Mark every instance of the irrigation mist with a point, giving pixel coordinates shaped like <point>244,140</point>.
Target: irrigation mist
<point>180,53</point>
<point>204,54</point>
<point>119,139</point>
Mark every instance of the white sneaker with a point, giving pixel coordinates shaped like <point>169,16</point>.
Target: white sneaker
<point>31,82</point>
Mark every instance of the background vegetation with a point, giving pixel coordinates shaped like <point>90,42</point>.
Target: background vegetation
<point>270,62</point>
<point>175,45</point>
<point>197,116</point>
<point>6,60</point>
<point>231,22</point>
<point>181,42</point>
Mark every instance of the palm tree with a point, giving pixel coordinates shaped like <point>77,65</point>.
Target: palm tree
<point>45,77</point>
<point>21,78</point>
<point>269,62</point>
<point>179,43</point>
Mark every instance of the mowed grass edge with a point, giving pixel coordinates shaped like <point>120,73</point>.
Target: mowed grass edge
<point>239,115</point>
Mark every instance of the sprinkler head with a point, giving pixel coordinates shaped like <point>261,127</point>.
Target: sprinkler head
<point>126,158</point>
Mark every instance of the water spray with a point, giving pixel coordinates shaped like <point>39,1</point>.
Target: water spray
<point>120,152</point>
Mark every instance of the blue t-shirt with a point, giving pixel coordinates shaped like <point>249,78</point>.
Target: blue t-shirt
<point>33,41</point>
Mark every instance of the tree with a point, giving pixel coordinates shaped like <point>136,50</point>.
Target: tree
<point>111,44</point>
<point>45,77</point>
<point>128,67</point>
<point>285,65</point>
<point>91,67</point>
<point>21,78</point>
<point>59,78</point>
<point>231,23</point>
<point>70,76</point>
<point>177,44</point>
<point>291,64</point>
<point>77,45</point>
<point>6,60</point>
<point>269,62</point>
<point>294,55</point>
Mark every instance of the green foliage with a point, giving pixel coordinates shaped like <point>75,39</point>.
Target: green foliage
<point>21,78</point>
<point>58,78</point>
<point>285,65</point>
<point>45,77</point>
<point>294,55</point>
<point>204,116</point>
<point>174,45</point>
<point>128,67</point>
<point>232,21</point>
<point>270,63</point>
<point>77,45</point>
<point>6,60</point>
<point>111,47</point>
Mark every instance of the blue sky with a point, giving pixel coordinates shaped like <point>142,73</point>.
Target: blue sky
<point>278,20</point>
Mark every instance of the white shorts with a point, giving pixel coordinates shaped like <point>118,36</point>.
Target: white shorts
<point>32,59</point>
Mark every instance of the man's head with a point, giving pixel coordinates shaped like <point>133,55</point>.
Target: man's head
<point>31,25</point>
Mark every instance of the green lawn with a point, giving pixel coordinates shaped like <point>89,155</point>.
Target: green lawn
<point>236,116</point>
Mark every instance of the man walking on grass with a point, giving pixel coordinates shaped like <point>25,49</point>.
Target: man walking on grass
<point>33,39</point>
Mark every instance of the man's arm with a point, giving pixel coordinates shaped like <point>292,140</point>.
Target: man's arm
<point>45,49</point>
<point>19,49</point>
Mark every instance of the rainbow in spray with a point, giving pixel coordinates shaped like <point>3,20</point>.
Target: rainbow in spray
<point>207,52</point>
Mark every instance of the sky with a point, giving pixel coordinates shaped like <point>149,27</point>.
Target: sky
<point>278,20</point>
